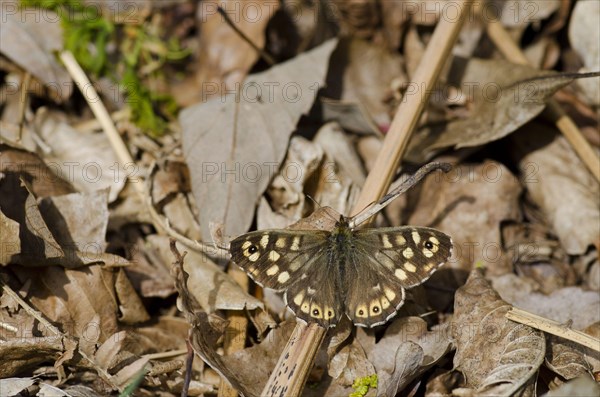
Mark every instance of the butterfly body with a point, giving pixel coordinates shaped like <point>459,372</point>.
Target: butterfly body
<point>361,273</point>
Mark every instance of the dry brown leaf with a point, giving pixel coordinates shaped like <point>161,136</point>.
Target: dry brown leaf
<point>408,360</point>
<point>85,159</point>
<point>394,16</point>
<point>62,230</point>
<point>234,146</point>
<point>17,163</point>
<point>30,38</point>
<point>25,354</point>
<point>11,244</point>
<point>14,386</point>
<point>78,221</point>
<point>351,116</point>
<point>149,269</point>
<point>406,351</point>
<point>566,359</point>
<point>208,283</point>
<point>130,305</point>
<point>513,352</point>
<point>583,33</point>
<point>73,299</point>
<point>246,370</point>
<point>566,305</point>
<point>367,71</point>
<point>287,202</point>
<point>580,387</point>
<point>469,203</point>
<point>563,188</point>
<point>349,364</point>
<point>130,372</point>
<point>339,147</point>
<point>107,352</point>
<point>225,57</point>
<point>502,104</point>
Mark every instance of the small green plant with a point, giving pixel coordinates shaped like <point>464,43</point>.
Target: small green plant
<point>136,65</point>
<point>362,386</point>
<point>135,383</point>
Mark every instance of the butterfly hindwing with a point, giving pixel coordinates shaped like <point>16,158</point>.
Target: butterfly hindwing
<point>373,297</point>
<point>273,258</point>
<point>317,297</point>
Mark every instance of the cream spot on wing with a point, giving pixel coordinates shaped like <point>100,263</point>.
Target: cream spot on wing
<point>401,274</point>
<point>299,298</point>
<point>315,311</point>
<point>264,240</point>
<point>385,260</point>
<point>389,293</point>
<point>329,313</point>
<point>246,244</point>
<point>283,277</point>
<point>427,253</point>
<point>409,267</point>
<point>280,243</point>
<point>386,241</point>
<point>408,253</point>
<point>311,291</point>
<point>385,303</point>
<point>416,237</point>
<point>428,267</point>
<point>274,256</point>
<point>375,308</point>
<point>273,270</point>
<point>295,243</point>
<point>295,265</point>
<point>434,240</point>
<point>305,307</point>
<point>361,311</point>
<point>400,240</point>
<point>254,257</point>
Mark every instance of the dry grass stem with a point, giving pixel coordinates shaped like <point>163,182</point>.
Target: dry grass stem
<point>306,340</point>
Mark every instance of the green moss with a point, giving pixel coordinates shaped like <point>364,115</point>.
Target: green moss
<point>136,65</point>
<point>362,386</point>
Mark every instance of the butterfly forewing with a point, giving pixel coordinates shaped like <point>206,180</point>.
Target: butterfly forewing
<point>277,258</point>
<point>412,254</point>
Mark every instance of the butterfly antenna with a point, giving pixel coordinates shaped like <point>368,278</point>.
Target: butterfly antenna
<point>412,180</point>
<point>313,200</point>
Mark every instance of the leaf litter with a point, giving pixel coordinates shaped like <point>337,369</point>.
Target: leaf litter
<point>96,301</point>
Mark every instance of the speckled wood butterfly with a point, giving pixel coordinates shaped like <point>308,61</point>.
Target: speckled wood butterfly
<point>362,273</point>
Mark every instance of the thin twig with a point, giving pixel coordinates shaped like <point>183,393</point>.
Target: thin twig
<point>23,103</point>
<point>564,123</point>
<point>412,180</point>
<point>553,327</point>
<point>97,106</point>
<point>409,112</point>
<point>263,54</point>
<point>167,354</point>
<point>303,345</point>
